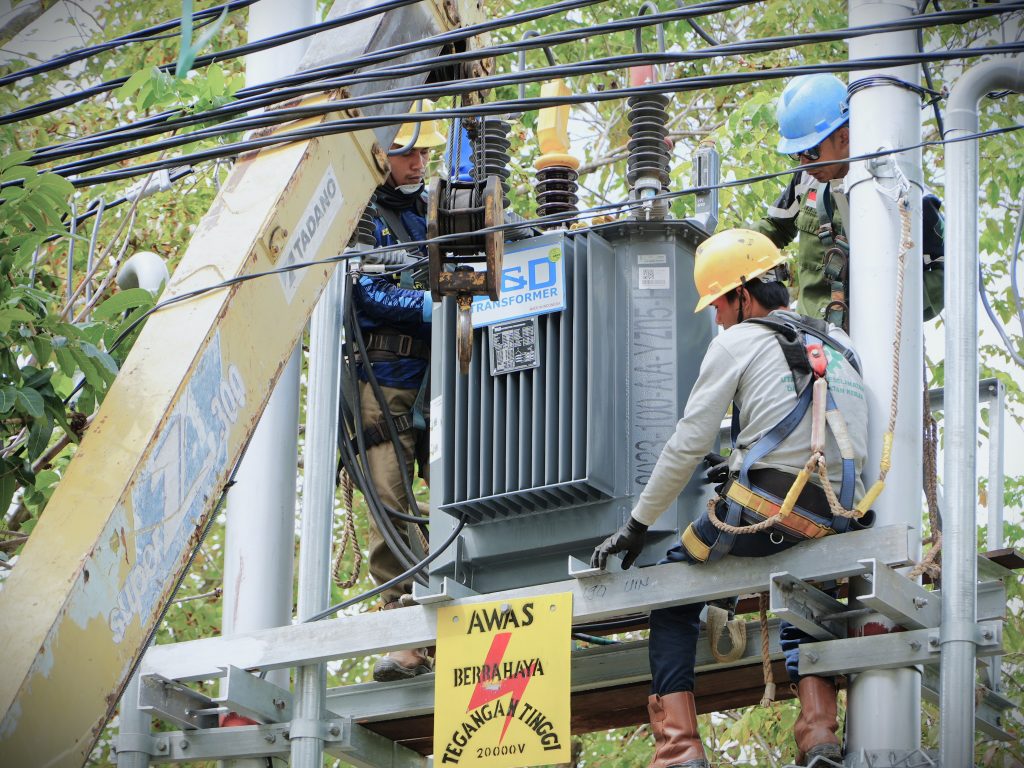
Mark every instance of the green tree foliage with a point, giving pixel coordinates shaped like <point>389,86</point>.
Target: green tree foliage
<point>59,320</point>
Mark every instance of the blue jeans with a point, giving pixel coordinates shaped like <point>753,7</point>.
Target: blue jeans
<point>672,645</point>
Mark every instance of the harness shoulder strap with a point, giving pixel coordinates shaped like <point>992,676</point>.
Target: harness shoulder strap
<point>395,224</point>
<point>790,330</point>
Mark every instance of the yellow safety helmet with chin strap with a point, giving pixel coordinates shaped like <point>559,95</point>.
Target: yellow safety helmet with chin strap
<point>430,134</point>
<point>728,259</point>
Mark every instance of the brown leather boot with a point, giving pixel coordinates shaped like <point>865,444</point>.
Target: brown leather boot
<point>815,729</point>
<point>674,724</point>
<point>402,665</point>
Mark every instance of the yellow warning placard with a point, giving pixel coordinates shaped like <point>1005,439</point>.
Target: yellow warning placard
<point>502,683</point>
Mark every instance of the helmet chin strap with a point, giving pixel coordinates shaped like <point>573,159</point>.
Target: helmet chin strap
<point>739,296</point>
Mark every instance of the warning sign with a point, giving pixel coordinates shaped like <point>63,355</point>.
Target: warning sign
<point>502,683</point>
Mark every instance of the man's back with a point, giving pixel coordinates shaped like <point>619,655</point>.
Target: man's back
<point>766,393</point>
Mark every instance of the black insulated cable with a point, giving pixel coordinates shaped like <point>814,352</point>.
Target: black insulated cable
<point>319,73</point>
<point>701,32</point>
<point>374,503</point>
<point>79,145</point>
<point>149,34</point>
<point>147,128</point>
<point>336,74</point>
<point>210,58</point>
<point>927,71</point>
<point>417,568</point>
<point>558,218</point>
<point>347,125</point>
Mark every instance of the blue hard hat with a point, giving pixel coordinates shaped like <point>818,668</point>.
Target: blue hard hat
<point>810,109</point>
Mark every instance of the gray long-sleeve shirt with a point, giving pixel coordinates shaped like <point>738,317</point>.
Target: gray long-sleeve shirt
<point>745,365</point>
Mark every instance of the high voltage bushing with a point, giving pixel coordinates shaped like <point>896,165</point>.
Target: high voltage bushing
<point>556,190</point>
<point>647,164</point>
<point>491,149</point>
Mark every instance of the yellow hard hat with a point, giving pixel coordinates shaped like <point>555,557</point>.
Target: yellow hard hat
<point>430,134</point>
<point>726,260</point>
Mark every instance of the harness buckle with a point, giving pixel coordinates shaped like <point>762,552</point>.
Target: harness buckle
<point>826,234</point>
<point>833,262</point>
<point>816,357</point>
<point>404,345</point>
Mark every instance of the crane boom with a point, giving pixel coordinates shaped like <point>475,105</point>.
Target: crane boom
<point>120,530</point>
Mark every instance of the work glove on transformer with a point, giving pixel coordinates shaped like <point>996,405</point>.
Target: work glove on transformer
<point>629,539</point>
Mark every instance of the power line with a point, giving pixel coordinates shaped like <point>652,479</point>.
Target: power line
<point>106,139</point>
<point>558,218</point>
<point>343,74</point>
<point>210,58</point>
<point>347,125</point>
<point>148,34</point>
<point>452,36</point>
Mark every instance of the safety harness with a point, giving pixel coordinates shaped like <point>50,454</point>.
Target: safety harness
<point>835,261</point>
<point>392,342</point>
<point>788,499</point>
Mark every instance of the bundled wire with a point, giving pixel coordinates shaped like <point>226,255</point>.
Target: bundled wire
<point>566,218</point>
<point>354,456</point>
<point>340,76</point>
<point>112,137</point>
<point>463,33</point>
<point>346,125</point>
<point>203,61</point>
<point>149,34</point>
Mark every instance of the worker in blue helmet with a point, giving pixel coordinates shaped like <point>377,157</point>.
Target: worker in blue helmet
<point>813,114</point>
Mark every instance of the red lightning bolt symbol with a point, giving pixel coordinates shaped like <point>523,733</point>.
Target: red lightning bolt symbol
<point>489,691</point>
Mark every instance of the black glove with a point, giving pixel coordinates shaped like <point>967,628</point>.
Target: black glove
<point>718,468</point>
<point>629,539</point>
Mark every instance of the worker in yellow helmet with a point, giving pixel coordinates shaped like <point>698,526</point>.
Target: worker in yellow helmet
<point>770,364</point>
<point>394,317</point>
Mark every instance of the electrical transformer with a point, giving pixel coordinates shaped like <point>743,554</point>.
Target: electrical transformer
<point>578,375</point>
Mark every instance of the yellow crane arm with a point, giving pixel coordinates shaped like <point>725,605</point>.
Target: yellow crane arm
<point>117,535</point>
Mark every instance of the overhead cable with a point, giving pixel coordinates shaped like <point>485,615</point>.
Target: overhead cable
<point>457,35</point>
<point>348,76</point>
<point>926,70</point>
<point>346,125</point>
<point>556,218</point>
<point>148,34</point>
<point>211,58</point>
<point>105,139</point>
<point>131,194</point>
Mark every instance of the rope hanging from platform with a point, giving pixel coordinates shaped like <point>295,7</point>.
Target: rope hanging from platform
<point>348,538</point>
<point>766,660</point>
<point>931,562</point>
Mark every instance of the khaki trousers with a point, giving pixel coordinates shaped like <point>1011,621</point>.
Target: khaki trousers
<point>387,477</point>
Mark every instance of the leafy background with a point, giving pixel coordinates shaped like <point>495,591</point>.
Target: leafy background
<point>52,340</point>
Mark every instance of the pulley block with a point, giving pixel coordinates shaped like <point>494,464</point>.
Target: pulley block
<point>465,262</point>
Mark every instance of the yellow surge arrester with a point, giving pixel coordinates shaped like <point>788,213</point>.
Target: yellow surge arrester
<point>553,129</point>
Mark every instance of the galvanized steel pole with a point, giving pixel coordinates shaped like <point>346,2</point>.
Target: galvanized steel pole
<point>884,712</point>
<point>959,561</point>
<point>260,532</point>
<point>996,485</point>
<point>318,487</point>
